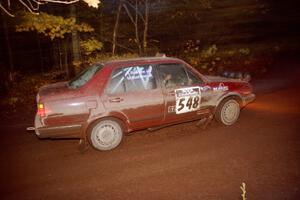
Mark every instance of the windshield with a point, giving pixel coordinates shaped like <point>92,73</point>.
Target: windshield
<point>82,78</point>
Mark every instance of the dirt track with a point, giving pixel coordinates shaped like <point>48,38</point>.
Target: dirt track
<point>180,162</point>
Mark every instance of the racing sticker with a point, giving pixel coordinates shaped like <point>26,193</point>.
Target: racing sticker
<point>187,99</point>
<point>221,87</point>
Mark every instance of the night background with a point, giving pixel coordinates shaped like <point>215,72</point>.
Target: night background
<point>258,37</point>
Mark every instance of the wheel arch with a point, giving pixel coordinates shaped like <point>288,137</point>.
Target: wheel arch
<point>97,143</point>
<point>233,95</point>
<point>222,101</point>
<point>118,118</point>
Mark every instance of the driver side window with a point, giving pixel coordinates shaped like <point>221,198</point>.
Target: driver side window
<point>172,75</point>
<point>193,78</point>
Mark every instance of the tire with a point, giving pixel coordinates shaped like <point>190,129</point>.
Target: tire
<point>106,135</point>
<point>228,111</point>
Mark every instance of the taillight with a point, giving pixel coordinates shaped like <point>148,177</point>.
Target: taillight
<point>41,109</point>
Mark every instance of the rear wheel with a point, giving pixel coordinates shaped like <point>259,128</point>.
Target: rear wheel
<point>228,111</point>
<point>106,135</point>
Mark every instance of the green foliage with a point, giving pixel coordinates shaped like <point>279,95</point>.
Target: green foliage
<point>24,89</point>
<point>12,101</point>
<point>244,51</point>
<point>101,57</point>
<point>206,59</point>
<point>50,25</point>
<point>106,57</point>
<point>91,45</point>
<point>212,60</point>
<point>209,52</point>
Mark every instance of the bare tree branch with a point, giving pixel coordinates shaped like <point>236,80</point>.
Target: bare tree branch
<point>59,1</point>
<point>133,7</point>
<point>28,8</point>
<point>38,2</point>
<point>114,43</point>
<point>8,3</point>
<point>145,35</point>
<point>137,37</point>
<point>128,13</point>
<point>32,7</point>
<point>6,11</point>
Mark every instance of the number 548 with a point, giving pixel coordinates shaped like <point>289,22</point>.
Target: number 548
<point>188,104</point>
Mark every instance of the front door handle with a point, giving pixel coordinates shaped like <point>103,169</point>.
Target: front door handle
<point>172,93</point>
<point>116,100</point>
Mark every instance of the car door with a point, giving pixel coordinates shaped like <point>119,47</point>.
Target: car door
<point>206,102</point>
<point>182,97</point>
<point>134,93</point>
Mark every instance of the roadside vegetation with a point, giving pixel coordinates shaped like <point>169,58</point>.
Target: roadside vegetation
<point>213,36</point>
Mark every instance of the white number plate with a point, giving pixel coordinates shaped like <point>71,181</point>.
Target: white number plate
<point>187,99</point>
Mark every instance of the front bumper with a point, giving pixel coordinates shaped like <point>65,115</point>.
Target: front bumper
<point>248,99</point>
<point>66,131</point>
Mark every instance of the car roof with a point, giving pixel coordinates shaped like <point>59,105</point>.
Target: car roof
<point>113,64</point>
<point>140,61</point>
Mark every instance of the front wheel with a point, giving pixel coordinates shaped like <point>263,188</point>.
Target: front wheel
<point>106,135</point>
<point>228,111</point>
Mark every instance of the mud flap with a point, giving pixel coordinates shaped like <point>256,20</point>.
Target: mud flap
<point>206,120</point>
<point>83,145</point>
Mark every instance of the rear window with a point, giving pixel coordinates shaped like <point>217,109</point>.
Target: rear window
<point>82,78</point>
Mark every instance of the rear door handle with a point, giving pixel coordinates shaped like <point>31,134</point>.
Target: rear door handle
<point>116,100</point>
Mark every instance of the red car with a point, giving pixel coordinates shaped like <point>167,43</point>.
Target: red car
<point>111,99</point>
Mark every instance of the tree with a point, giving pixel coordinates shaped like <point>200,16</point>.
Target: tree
<point>50,25</point>
<point>116,28</point>
<point>57,28</point>
<point>33,6</point>
<point>8,46</point>
<point>136,11</point>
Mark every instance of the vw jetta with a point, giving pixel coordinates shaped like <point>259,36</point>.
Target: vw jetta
<point>110,99</point>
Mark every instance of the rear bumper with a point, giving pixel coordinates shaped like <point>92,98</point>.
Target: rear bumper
<point>248,99</point>
<point>69,131</point>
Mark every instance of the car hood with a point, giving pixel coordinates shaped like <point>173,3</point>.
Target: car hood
<point>222,79</point>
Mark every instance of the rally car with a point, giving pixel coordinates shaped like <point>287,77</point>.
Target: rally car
<point>110,99</point>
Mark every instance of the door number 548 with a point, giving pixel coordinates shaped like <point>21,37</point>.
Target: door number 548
<point>187,99</point>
